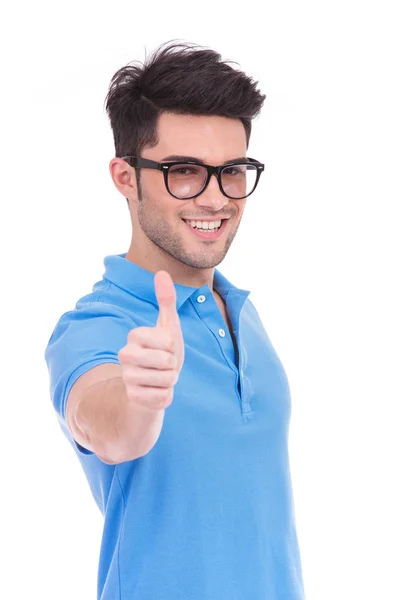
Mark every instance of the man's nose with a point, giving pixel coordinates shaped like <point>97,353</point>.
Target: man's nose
<point>212,195</point>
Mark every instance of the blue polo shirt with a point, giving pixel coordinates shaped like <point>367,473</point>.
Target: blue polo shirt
<point>208,513</point>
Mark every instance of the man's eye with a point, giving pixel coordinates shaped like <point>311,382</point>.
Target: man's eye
<point>181,171</point>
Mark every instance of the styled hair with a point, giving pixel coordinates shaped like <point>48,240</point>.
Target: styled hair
<point>180,78</point>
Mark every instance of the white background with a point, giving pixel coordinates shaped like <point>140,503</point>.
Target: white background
<point>318,247</point>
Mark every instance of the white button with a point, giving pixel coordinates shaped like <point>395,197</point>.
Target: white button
<point>221,333</point>
<point>201,298</point>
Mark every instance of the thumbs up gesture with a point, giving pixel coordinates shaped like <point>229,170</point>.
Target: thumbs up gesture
<point>153,356</point>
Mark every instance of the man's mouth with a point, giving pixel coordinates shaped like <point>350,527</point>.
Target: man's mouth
<point>205,226</point>
<point>207,230</point>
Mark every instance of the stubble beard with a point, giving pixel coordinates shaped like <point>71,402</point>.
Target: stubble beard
<point>171,242</point>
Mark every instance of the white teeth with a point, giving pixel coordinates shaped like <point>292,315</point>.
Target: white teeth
<point>205,224</point>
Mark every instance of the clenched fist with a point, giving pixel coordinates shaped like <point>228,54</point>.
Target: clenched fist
<point>153,356</point>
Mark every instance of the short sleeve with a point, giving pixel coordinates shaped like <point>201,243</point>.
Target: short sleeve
<point>83,338</point>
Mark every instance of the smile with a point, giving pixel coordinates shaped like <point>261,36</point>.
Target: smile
<point>207,230</point>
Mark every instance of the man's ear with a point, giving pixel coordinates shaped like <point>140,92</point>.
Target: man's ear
<point>124,177</point>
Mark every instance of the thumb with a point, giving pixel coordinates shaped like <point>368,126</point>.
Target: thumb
<point>166,298</point>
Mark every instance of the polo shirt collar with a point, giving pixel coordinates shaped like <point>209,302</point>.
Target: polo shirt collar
<point>140,283</point>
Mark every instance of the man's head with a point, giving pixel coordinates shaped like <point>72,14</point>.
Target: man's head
<point>184,101</point>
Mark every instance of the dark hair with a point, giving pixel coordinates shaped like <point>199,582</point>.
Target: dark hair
<point>181,78</point>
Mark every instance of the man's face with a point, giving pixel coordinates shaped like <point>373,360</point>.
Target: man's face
<point>214,140</point>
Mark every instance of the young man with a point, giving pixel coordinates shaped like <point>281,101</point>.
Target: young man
<point>163,377</point>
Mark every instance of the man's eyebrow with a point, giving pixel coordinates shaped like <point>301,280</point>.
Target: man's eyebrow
<point>197,159</point>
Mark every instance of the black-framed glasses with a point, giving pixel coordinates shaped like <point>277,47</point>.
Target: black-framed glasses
<point>187,179</point>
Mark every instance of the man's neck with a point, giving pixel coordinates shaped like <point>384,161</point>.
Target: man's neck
<point>180,273</point>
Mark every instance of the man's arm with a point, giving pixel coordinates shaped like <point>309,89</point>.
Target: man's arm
<point>102,419</point>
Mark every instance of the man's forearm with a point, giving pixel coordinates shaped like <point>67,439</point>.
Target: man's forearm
<point>112,426</point>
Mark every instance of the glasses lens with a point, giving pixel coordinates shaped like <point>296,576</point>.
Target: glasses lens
<point>239,181</point>
<point>185,180</point>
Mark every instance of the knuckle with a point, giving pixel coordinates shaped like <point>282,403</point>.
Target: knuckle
<point>137,334</point>
<point>169,398</point>
<point>122,356</point>
<point>163,397</point>
<point>159,394</point>
<point>172,379</point>
<point>134,352</point>
<point>165,401</point>
<point>132,336</point>
<point>171,361</point>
